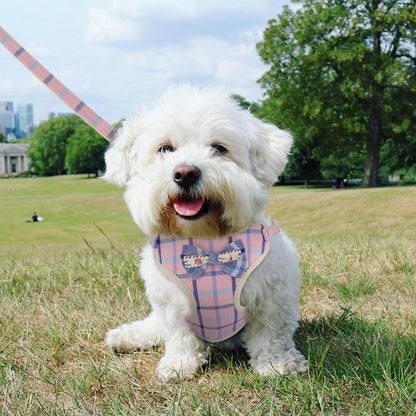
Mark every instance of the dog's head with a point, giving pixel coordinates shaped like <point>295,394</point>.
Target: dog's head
<point>196,164</point>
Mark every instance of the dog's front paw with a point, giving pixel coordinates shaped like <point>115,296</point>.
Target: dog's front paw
<point>177,368</point>
<point>289,364</point>
<point>117,340</point>
<point>133,336</point>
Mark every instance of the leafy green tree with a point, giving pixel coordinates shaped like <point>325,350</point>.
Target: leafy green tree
<point>48,146</point>
<point>338,69</point>
<point>85,151</point>
<point>302,164</point>
<point>2,138</point>
<point>399,158</point>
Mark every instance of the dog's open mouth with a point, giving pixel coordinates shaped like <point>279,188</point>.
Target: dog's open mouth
<point>190,208</point>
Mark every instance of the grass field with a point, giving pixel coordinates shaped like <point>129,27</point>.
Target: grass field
<point>65,281</point>
<point>74,209</point>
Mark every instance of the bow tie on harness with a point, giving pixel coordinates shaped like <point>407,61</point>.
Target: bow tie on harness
<point>232,260</point>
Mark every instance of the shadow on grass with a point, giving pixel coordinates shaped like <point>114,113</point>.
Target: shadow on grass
<point>345,346</point>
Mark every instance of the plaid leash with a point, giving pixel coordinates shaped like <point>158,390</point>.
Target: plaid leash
<point>70,99</point>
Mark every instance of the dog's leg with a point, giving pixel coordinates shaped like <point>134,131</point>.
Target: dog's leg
<point>271,297</point>
<point>185,354</point>
<point>271,347</point>
<point>136,335</point>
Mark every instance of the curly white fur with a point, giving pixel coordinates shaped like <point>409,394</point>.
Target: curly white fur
<point>192,123</point>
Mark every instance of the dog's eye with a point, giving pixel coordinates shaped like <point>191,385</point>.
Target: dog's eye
<point>219,149</point>
<point>166,148</point>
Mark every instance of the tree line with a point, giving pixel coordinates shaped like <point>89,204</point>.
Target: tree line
<point>66,144</point>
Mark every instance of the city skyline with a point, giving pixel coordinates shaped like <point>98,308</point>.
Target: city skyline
<point>16,121</point>
<point>36,117</point>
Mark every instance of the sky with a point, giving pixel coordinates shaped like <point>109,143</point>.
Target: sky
<point>118,55</point>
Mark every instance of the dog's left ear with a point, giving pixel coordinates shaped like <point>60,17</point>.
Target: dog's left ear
<point>270,152</point>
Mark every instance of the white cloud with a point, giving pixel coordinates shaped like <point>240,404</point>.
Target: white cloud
<point>120,20</point>
<point>131,20</point>
<point>198,55</point>
<point>204,60</point>
<point>234,7</point>
<point>38,50</point>
<point>161,9</point>
<point>107,26</point>
<point>229,71</point>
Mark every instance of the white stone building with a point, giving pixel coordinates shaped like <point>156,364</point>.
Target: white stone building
<point>13,158</point>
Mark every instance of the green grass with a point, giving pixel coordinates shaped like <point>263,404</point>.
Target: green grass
<point>74,209</point>
<point>65,281</point>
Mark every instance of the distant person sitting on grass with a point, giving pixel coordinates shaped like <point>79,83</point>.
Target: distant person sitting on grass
<point>35,218</point>
<point>338,184</point>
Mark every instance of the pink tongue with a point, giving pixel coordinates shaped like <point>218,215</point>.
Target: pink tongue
<point>188,207</point>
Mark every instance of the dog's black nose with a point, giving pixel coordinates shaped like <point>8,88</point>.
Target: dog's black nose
<point>186,175</point>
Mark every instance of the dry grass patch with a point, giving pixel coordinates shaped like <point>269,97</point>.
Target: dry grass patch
<point>356,248</point>
<point>374,273</point>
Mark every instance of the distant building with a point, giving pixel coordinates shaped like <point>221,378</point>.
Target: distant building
<point>13,158</point>
<point>7,118</point>
<point>24,120</point>
<point>6,106</point>
<point>16,124</point>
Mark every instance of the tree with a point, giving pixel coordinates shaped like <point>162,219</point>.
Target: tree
<point>85,151</point>
<point>2,138</point>
<point>48,147</point>
<point>337,70</point>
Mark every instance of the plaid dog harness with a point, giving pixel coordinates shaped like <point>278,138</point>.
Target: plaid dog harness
<point>212,273</point>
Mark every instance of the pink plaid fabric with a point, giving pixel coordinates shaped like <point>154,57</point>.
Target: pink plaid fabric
<point>70,99</point>
<point>215,294</point>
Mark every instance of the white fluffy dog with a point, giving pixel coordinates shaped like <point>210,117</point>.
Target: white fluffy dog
<point>197,170</point>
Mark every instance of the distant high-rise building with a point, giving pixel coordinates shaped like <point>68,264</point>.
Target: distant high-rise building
<point>24,120</point>
<point>6,106</point>
<point>7,120</point>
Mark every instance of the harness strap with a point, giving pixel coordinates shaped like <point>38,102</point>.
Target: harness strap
<point>269,232</point>
<point>70,99</point>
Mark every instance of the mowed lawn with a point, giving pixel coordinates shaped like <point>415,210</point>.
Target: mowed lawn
<point>68,279</point>
<point>73,208</point>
